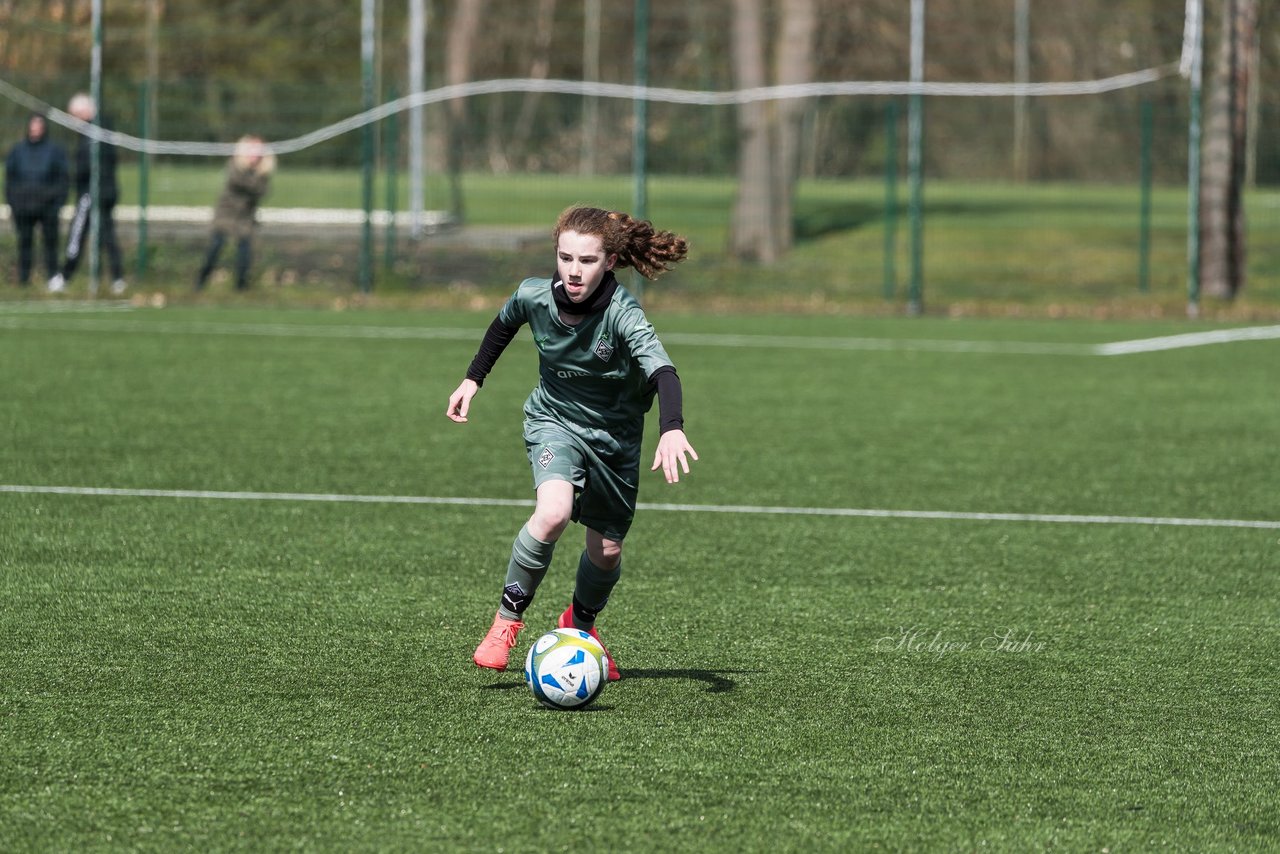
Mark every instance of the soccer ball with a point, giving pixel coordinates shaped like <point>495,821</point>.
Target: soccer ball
<point>565,669</point>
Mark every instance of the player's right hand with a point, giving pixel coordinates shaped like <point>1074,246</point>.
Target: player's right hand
<point>460,401</point>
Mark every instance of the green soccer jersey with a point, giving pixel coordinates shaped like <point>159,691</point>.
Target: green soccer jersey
<point>595,374</point>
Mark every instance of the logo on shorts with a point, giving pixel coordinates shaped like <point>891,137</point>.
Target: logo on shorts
<point>545,458</point>
<point>603,350</point>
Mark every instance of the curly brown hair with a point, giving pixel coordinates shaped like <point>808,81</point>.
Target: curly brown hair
<point>635,241</point>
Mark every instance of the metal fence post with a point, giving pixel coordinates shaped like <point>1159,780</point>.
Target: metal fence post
<point>144,175</point>
<point>1193,167</point>
<point>915,129</point>
<point>1144,218</point>
<point>390,158</point>
<point>890,198</point>
<point>365,273</point>
<point>640,133</point>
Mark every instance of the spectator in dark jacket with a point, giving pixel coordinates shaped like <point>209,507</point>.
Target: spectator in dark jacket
<point>84,108</point>
<point>35,187</point>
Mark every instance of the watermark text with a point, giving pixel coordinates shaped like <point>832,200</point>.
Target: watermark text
<point>918,640</point>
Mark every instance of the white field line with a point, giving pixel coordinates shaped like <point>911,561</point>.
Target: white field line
<point>735,509</point>
<point>1189,339</point>
<point>800,342</point>
<point>793,342</point>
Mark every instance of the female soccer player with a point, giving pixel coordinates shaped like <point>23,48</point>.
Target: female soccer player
<point>600,366</point>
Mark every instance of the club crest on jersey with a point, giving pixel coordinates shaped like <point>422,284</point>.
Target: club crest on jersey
<point>545,458</point>
<point>604,351</point>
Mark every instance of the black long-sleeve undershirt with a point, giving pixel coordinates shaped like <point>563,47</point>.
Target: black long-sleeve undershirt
<point>496,339</point>
<point>665,381</point>
<point>670,399</point>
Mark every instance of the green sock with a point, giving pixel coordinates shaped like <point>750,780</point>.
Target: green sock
<point>591,591</point>
<point>530,558</point>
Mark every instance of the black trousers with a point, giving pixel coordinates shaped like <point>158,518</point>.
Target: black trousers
<point>78,237</point>
<point>244,255</point>
<point>26,223</point>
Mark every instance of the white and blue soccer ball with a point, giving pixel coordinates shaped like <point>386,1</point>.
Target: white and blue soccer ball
<point>566,669</point>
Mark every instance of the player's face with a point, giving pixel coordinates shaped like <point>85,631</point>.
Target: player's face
<point>581,263</point>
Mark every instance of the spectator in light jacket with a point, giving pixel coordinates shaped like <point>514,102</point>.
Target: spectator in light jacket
<point>84,108</point>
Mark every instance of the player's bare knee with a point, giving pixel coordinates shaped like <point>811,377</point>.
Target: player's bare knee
<point>604,553</point>
<point>548,522</point>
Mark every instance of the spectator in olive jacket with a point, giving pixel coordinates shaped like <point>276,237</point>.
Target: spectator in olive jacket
<point>248,177</point>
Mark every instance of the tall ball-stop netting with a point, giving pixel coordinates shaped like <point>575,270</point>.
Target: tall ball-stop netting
<point>1052,142</point>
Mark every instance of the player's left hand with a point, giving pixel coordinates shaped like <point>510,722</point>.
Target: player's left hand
<point>671,455</point>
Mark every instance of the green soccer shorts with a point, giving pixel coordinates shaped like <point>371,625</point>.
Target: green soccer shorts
<point>603,468</point>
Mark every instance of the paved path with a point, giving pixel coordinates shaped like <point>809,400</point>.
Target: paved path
<point>187,220</point>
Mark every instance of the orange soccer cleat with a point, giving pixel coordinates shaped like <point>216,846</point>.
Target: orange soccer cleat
<point>494,651</point>
<point>566,622</point>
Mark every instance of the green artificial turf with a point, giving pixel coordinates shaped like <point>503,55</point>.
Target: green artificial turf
<point>240,673</point>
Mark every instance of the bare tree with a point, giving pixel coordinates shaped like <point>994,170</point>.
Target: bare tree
<point>460,47</point>
<point>539,64</point>
<point>1222,226</point>
<point>795,66</point>
<point>752,231</point>
<point>155,11</point>
<point>769,131</point>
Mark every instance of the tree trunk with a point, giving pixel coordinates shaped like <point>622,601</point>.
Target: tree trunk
<point>460,46</point>
<point>539,67</point>
<point>753,231</point>
<point>1222,226</point>
<point>1246,43</point>
<point>795,66</point>
<point>769,131</point>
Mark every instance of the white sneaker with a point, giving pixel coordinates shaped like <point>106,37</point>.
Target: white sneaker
<point>118,286</point>
<point>57,284</point>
